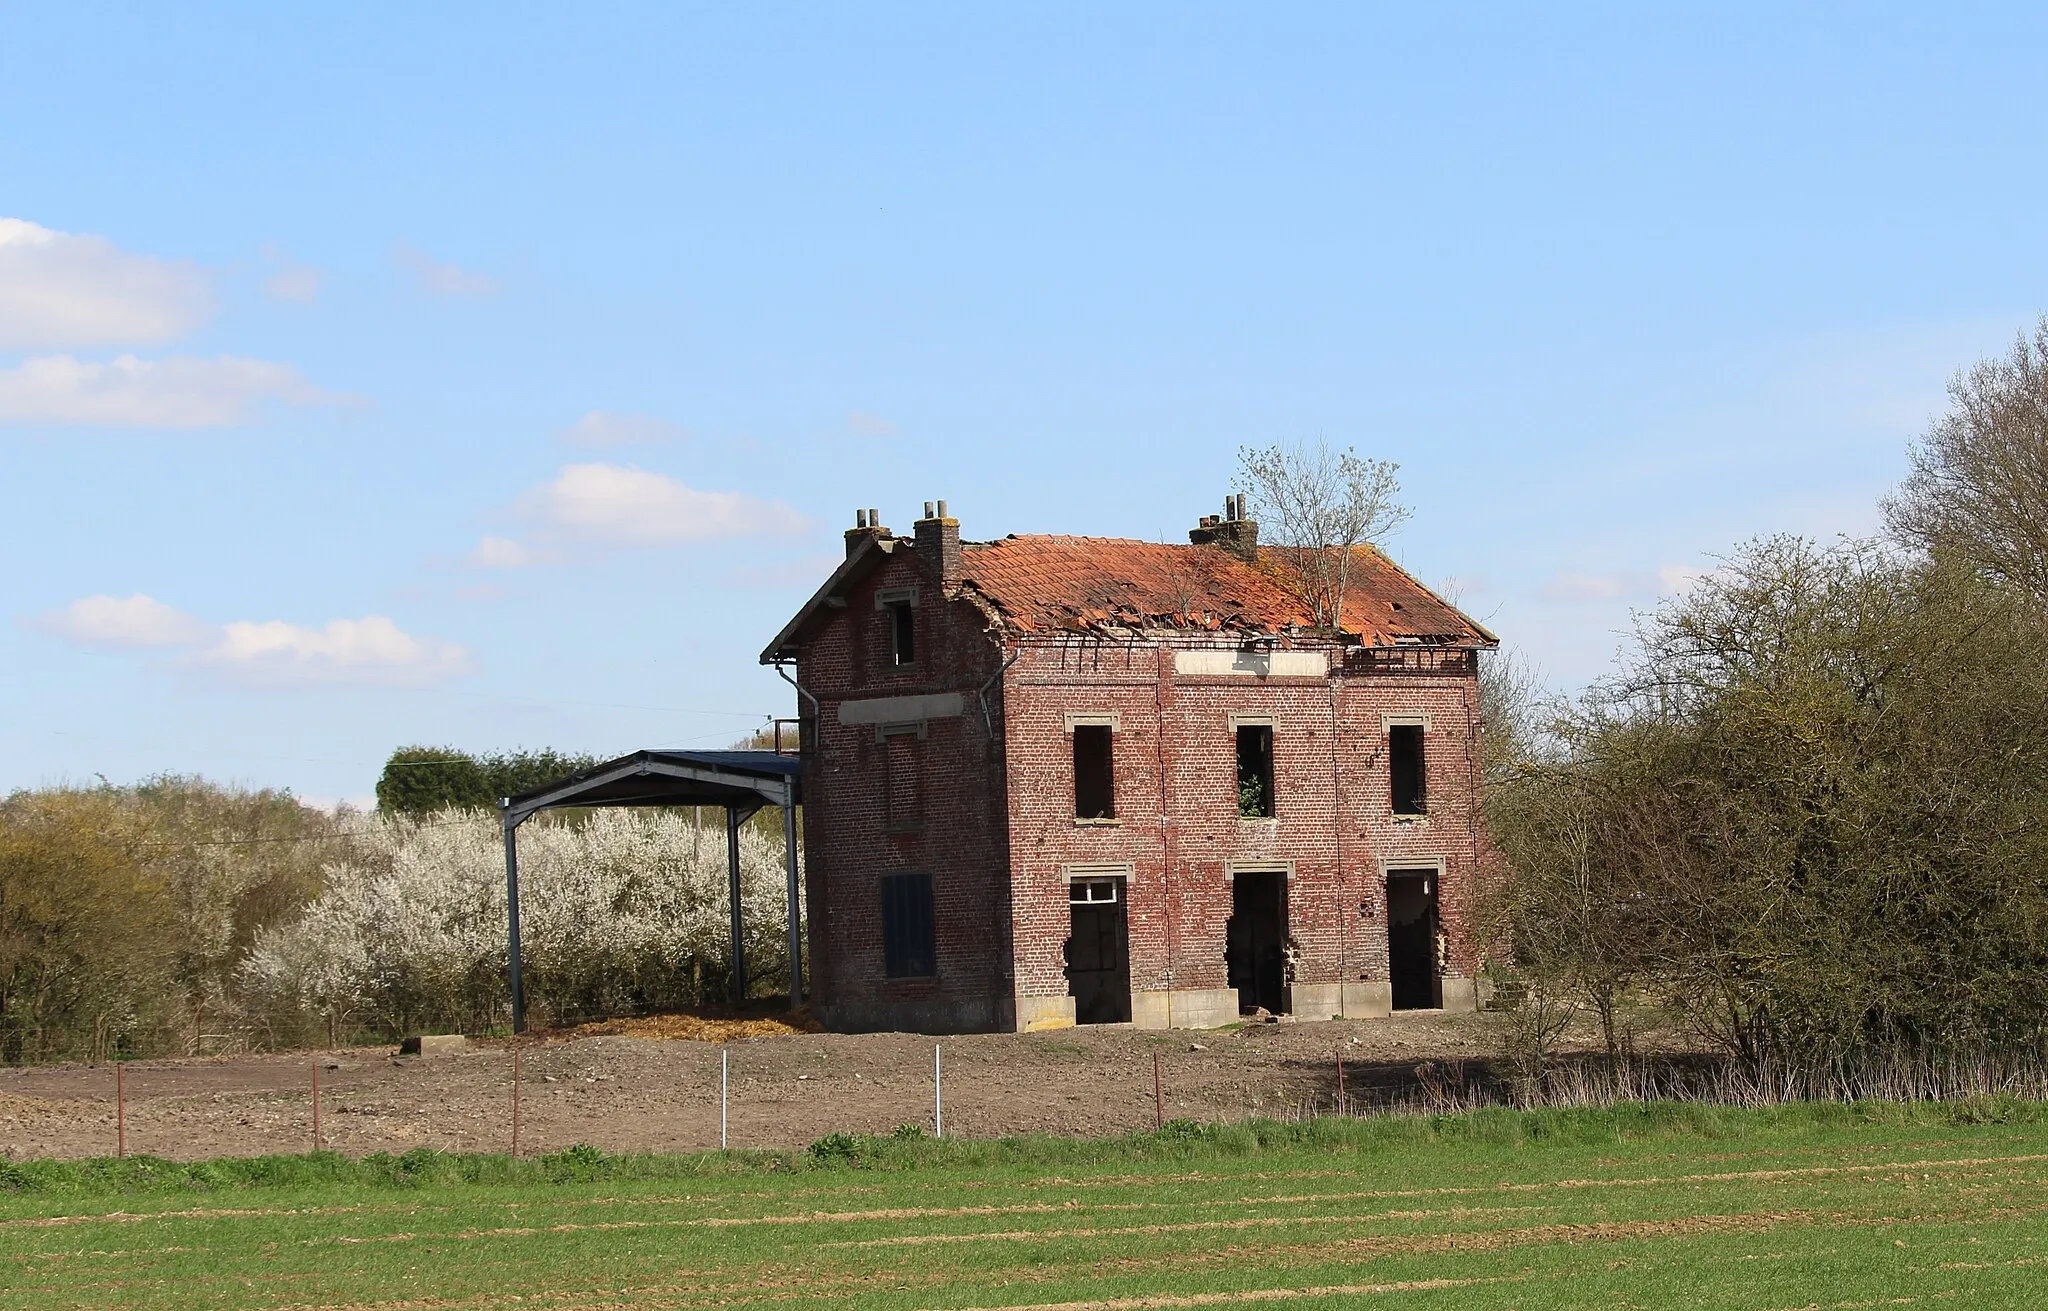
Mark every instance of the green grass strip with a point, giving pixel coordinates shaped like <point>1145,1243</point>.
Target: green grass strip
<point>1179,1141</point>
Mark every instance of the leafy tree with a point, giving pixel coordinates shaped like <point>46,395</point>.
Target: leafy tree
<point>1978,490</point>
<point>420,780</point>
<point>1807,816</point>
<point>85,932</point>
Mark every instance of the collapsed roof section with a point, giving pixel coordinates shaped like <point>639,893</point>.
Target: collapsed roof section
<point>1118,587</point>
<point>1083,584</point>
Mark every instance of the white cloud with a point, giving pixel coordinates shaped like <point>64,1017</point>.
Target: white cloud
<point>439,278</point>
<point>127,621</point>
<point>869,425</point>
<point>621,506</point>
<point>372,649</point>
<point>1584,587</point>
<point>504,553</point>
<point>177,392</point>
<point>61,290</point>
<point>610,428</point>
<point>290,280</point>
<point>299,284</point>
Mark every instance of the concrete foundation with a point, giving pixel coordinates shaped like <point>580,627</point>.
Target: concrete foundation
<point>1035,1013</point>
<point>1315,1001</point>
<point>1184,1008</point>
<point>1461,996</point>
<point>1368,999</point>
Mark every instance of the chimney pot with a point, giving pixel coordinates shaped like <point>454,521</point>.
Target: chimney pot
<point>1233,532</point>
<point>867,526</point>
<point>938,544</point>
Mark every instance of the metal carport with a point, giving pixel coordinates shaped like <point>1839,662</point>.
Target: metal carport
<point>739,782</point>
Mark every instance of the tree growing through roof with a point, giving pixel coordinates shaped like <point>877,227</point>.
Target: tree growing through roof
<point>1316,505</point>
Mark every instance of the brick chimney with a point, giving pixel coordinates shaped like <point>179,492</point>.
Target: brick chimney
<point>866,524</point>
<point>1230,530</point>
<point>938,542</point>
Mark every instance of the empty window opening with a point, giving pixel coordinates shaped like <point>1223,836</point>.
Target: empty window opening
<point>1255,941</point>
<point>1416,946</point>
<point>1405,769</point>
<point>1255,771</point>
<point>902,633</point>
<point>1094,773</point>
<point>909,950</point>
<point>905,793</point>
<point>1098,951</point>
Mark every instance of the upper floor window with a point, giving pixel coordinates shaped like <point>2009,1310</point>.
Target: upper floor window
<point>1407,779</point>
<point>1255,771</point>
<point>899,606</point>
<point>1094,772</point>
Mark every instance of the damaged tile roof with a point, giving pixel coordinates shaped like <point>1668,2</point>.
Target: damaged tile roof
<point>1054,584</point>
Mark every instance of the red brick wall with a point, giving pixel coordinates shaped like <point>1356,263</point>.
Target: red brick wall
<point>1333,816</point>
<point>997,820</point>
<point>850,841</point>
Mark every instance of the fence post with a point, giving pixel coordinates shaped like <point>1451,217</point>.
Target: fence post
<point>938,1097</point>
<point>1158,1096</point>
<point>517,1047</point>
<point>1340,1084</point>
<point>316,1105</point>
<point>120,1109</point>
<point>722,1086</point>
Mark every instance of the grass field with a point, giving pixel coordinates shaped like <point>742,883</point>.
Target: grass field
<point>1646,1206</point>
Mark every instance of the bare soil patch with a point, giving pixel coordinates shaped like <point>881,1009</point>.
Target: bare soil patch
<point>649,1087</point>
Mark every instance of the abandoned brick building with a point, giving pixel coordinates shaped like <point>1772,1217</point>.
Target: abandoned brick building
<point>1054,780</point>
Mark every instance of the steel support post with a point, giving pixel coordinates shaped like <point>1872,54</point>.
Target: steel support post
<point>732,870</point>
<point>796,927</point>
<point>512,923</point>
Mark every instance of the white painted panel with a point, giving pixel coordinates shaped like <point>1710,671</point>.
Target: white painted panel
<point>1253,662</point>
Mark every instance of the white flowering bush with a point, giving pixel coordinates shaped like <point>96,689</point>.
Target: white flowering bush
<point>620,912</point>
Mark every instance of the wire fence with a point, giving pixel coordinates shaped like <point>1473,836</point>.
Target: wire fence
<point>301,1112</point>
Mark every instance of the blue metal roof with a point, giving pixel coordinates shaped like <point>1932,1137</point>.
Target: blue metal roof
<point>747,780</point>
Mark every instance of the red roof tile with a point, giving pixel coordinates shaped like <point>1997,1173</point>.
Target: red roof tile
<point>1050,584</point>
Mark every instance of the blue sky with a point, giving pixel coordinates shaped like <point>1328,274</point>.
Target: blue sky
<point>502,375</point>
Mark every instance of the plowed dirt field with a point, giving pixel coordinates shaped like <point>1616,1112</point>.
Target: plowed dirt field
<point>626,1093</point>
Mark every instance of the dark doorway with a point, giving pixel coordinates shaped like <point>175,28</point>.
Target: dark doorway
<point>1255,947</point>
<point>1099,953</point>
<point>1412,939</point>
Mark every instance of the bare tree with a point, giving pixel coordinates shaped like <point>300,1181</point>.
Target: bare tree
<point>1318,505</point>
<point>1979,486</point>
